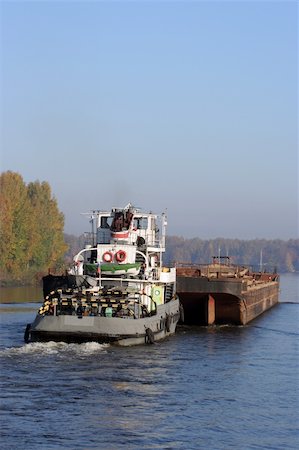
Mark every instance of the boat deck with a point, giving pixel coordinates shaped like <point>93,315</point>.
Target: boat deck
<point>225,295</point>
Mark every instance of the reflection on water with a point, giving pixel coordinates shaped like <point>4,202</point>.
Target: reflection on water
<point>21,294</point>
<point>11,308</point>
<point>289,288</point>
<point>289,291</point>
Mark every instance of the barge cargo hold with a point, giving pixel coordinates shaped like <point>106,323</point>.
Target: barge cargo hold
<point>225,294</point>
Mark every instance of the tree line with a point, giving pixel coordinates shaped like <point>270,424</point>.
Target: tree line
<point>270,254</point>
<point>31,232</point>
<point>32,238</point>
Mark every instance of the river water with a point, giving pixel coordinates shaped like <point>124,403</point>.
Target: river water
<point>204,388</point>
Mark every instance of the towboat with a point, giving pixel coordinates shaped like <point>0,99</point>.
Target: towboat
<point>118,290</point>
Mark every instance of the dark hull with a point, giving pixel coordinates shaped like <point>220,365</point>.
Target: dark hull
<point>225,300</point>
<point>79,338</point>
<point>119,330</point>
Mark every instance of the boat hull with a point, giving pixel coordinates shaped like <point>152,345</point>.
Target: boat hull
<point>225,300</point>
<point>118,330</point>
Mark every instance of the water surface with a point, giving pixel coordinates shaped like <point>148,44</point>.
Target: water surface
<point>206,387</point>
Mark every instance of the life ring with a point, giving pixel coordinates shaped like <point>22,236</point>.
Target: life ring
<point>182,314</point>
<point>120,256</point>
<point>140,241</point>
<point>27,333</point>
<point>150,337</point>
<point>167,323</point>
<point>107,257</point>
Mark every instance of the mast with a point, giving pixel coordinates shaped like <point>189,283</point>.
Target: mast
<point>261,260</point>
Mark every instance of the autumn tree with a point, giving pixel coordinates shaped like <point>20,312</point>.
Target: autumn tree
<point>15,224</point>
<point>48,245</point>
<point>31,233</point>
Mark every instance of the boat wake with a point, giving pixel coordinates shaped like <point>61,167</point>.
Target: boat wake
<point>55,348</point>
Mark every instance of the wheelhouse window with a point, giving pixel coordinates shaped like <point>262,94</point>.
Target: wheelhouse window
<point>106,222</point>
<point>140,223</point>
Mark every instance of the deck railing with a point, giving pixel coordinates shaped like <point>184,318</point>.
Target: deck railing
<point>217,270</point>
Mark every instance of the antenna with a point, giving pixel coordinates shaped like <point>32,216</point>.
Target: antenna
<point>261,260</point>
<point>92,230</point>
<point>92,215</point>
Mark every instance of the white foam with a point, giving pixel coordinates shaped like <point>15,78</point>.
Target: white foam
<point>52,348</point>
<point>91,347</point>
<point>87,348</point>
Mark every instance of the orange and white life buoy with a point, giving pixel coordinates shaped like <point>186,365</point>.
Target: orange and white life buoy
<point>107,256</point>
<point>120,256</point>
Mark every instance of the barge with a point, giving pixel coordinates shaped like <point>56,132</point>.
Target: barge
<point>223,293</point>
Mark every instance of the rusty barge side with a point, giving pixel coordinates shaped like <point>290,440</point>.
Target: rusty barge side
<point>214,294</point>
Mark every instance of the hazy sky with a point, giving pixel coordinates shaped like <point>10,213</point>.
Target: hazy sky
<point>189,106</point>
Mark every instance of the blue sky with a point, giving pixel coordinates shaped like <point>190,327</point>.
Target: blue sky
<point>189,106</point>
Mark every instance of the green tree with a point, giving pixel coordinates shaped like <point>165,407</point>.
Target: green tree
<point>31,233</point>
<point>15,224</point>
<point>48,246</point>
